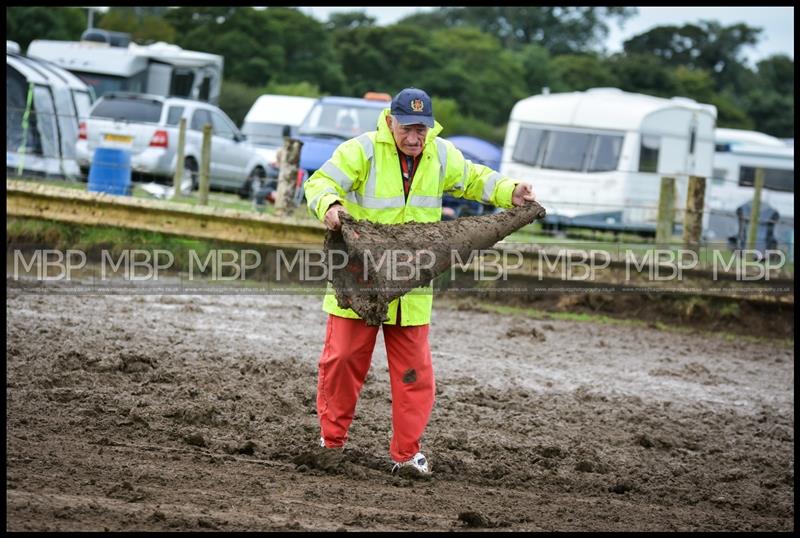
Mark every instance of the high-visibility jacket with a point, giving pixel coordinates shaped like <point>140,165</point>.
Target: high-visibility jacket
<point>364,175</point>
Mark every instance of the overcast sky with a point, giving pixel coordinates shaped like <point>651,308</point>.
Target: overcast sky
<point>777,23</point>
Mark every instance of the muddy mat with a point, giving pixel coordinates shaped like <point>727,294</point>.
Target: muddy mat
<point>198,413</point>
<point>372,274</point>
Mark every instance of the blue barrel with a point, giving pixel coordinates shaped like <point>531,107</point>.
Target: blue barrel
<point>110,171</point>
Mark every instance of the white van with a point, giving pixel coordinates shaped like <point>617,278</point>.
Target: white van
<point>265,121</point>
<point>596,158</point>
<point>738,154</point>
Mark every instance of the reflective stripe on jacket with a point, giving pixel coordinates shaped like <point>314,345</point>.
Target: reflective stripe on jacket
<point>364,175</point>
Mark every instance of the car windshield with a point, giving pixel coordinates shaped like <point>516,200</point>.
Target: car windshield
<point>341,121</point>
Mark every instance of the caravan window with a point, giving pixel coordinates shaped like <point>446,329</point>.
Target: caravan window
<point>527,147</point>
<point>46,121</point>
<point>16,103</point>
<point>605,153</point>
<point>103,84</point>
<point>565,150</point>
<point>83,103</point>
<point>775,179</point>
<point>648,153</point>
<point>205,89</point>
<point>181,85</point>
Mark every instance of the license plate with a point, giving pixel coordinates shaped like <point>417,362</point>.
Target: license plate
<point>118,139</point>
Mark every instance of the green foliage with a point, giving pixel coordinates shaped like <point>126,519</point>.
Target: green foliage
<point>707,45</point>
<point>145,27</point>
<point>697,84</point>
<point>771,103</point>
<point>385,59</point>
<point>24,24</point>
<point>300,89</point>
<point>237,98</point>
<point>581,72</point>
<point>559,29</point>
<point>772,111</point>
<point>537,71</point>
<point>261,45</point>
<point>454,122</point>
<point>777,73</point>
<point>729,113</point>
<point>350,20</point>
<point>642,73</point>
<point>308,48</point>
<point>487,94</point>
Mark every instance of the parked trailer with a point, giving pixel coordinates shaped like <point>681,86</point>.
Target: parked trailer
<point>595,158</point>
<point>44,104</point>
<point>738,154</point>
<point>158,69</point>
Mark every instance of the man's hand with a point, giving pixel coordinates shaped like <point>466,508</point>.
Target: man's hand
<point>332,216</point>
<point>523,192</point>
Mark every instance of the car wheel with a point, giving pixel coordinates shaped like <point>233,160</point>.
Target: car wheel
<point>254,182</point>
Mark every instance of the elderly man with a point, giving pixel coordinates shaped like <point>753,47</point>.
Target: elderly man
<point>395,174</point>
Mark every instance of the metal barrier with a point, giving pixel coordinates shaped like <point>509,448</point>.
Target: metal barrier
<point>25,199</point>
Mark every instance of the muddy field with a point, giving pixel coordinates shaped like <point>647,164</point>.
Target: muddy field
<point>175,412</point>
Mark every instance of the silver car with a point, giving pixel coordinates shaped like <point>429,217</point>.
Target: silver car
<point>147,126</point>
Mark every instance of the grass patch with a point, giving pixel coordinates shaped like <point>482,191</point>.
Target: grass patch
<point>533,313</point>
<point>25,232</point>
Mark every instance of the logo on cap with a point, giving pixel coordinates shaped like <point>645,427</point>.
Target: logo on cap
<point>417,105</point>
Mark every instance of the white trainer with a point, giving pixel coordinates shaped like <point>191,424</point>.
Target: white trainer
<point>418,463</point>
<point>322,442</point>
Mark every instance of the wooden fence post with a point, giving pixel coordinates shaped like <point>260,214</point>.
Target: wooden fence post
<point>177,181</point>
<point>693,217</point>
<point>666,210</point>
<point>205,165</point>
<point>755,210</point>
<point>287,177</point>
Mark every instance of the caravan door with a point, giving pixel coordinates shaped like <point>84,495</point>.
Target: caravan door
<point>159,77</point>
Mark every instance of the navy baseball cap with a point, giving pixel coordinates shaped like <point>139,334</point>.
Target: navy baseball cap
<point>411,106</point>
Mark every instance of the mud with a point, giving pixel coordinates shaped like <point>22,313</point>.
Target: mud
<point>159,413</point>
<point>375,273</point>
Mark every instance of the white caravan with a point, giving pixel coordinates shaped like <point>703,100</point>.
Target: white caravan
<point>596,158</point>
<point>158,69</point>
<point>44,104</point>
<point>738,154</point>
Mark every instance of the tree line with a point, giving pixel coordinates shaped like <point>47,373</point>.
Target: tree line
<point>476,62</point>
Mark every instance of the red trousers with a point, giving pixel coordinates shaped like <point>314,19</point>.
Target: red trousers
<point>343,367</point>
